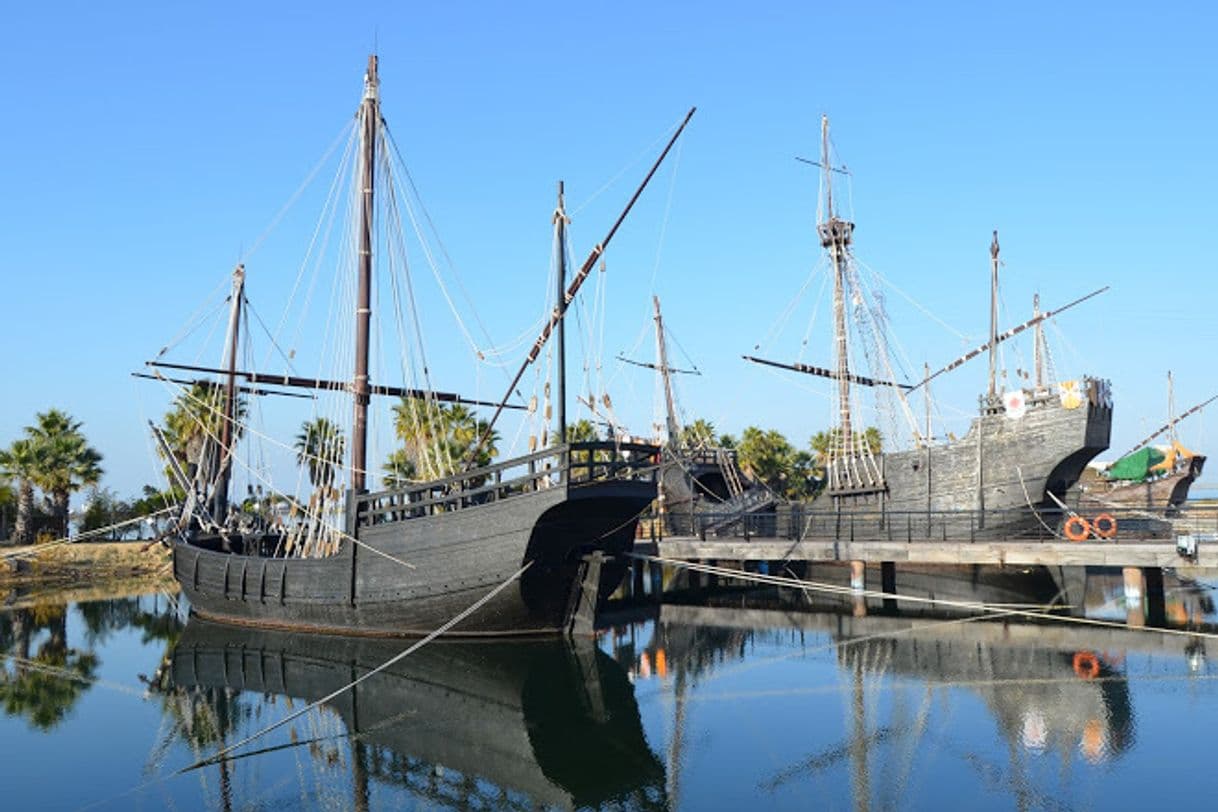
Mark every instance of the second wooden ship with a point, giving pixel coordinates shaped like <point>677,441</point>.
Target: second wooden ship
<point>1005,476</point>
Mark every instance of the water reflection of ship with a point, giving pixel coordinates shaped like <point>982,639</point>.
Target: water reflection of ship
<point>1050,687</point>
<point>462,725</point>
<point>1047,687</point>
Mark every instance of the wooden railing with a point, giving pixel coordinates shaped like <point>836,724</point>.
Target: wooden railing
<point>574,465</point>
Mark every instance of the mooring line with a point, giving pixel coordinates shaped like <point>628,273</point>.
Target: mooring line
<point>1005,682</point>
<point>36,548</point>
<point>815,586</point>
<point>71,676</point>
<point>221,754</point>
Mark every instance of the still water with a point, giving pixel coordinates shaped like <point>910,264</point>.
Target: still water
<point>708,698</point>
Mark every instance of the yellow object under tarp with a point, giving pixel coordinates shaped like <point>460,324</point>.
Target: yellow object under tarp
<point>1176,451</point>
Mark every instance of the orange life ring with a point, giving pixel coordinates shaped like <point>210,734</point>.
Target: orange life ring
<point>1086,665</point>
<point>1076,528</point>
<point>1104,525</point>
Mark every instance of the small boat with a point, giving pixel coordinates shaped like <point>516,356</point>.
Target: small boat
<point>1019,457</point>
<point>407,558</point>
<point>1148,477</point>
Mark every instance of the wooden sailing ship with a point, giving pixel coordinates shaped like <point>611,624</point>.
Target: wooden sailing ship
<point>1020,455</point>
<point>1147,477</point>
<point>405,560</point>
<point>697,474</point>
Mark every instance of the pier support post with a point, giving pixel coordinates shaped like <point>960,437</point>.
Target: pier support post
<point>637,567</point>
<point>858,582</point>
<point>1156,605</point>
<point>888,584</point>
<point>657,579</point>
<point>1133,585</point>
<point>858,576</point>
<point>1135,614</point>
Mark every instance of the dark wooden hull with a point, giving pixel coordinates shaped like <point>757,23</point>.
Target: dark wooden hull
<point>552,719</point>
<point>1003,470</point>
<point>456,558</point>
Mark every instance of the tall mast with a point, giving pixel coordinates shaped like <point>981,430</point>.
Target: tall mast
<point>220,500</point>
<point>560,245</point>
<point>370,114</point>
<point>835,235</point>
<point>674,430</point>
<point>1038,356</point>
<point>1171,407</point>
<point>992,390</point>
<point>572,289</point>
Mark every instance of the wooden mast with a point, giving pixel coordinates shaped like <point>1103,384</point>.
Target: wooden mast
<point>560,245</point>
<point>1171,408</point>
<point>835,235</point>
<point>928,443</point>
<point>992,390</point>
<point>1038,355</point>
<point>560,309</point>
<point>674,430</point>
<point>220,498</point>
<point>370,114</point>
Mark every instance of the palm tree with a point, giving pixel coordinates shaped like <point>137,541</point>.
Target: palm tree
<point>399,470</point>
<point>22,461</point>
<point>321,445</point>
<point>582,431</point>
<point>438,440</point>
<point>698,434</point>
<point>66,461</point>
<point>196,417</point>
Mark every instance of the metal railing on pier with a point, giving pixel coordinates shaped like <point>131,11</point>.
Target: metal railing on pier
<point>801,522</point>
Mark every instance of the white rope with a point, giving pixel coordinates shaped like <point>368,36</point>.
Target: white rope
<point>648,150</point>
<point>46,545</point>
<point>296,503</point>
<point>345,131</point>
<point>776,580</point>
<point>478,604</point>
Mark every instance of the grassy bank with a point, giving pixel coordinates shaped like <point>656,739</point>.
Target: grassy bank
<point>85,566</point>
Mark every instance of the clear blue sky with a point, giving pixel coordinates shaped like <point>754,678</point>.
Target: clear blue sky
<point>143,146</point>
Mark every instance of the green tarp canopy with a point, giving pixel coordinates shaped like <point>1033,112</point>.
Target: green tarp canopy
<point>1135,467</point>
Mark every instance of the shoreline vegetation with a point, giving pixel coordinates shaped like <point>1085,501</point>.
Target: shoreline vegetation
<point>85,569</point>
<point>103,542</point>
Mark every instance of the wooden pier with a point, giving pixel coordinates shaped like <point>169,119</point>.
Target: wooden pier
<point>1139,542</point>
<point>1136,538</point>
<point>1000,552</point>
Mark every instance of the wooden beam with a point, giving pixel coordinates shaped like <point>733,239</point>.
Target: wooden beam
<point>294,381</point>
